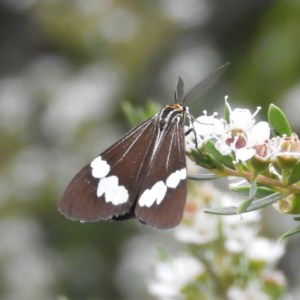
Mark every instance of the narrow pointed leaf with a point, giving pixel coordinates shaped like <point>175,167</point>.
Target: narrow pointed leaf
<point>245,204</point>
<point>278,121</point>
<point>260,203</point>
<point>257,204</point>
<point>291,232</point>
<point>295,174</point>
<point>229,210</point>
<point>261,192</point>
<point>202,176</point>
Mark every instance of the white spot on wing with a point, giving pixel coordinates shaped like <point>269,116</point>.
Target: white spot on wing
<point>112,191</point>
<point>174,179</point>
<point>159,190</point>
<point>100,168</point>
<point>155,194</point>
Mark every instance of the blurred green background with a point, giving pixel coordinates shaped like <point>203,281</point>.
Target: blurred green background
<point>66,67</point>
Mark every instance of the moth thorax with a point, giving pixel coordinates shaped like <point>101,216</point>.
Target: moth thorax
<point>171,114</point>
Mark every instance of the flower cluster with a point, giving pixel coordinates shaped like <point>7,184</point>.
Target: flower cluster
<point>238,146</point>
<point>223,257</point>
<point>239,137</point>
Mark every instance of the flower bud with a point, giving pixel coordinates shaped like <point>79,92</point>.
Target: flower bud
<point>259,164</point>
<point>286,161</point>
<point>289,204</point>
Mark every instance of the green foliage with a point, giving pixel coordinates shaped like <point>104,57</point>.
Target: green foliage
<point>291,232</point>
<point>294,175</point>
<point>253,205</point>
<point>278,121</point>
<point>136,115</point>
<point>270,63</point>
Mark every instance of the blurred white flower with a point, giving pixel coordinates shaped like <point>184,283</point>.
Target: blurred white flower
<point>27,266</point>
<point>238,239</point>
<point>82,98</point>
<point>172,275</point>
<point>200,229</point>
<point>274,277</point>
<point>186,12</point>
<point>15,104</point>
<point>265,250</point>
<point>253,291</point>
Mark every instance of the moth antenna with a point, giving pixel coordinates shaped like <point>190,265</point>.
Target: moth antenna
<point>179,90</point>
<point>199,89</point>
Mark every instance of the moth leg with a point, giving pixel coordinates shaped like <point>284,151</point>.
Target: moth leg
<point>192,130</point>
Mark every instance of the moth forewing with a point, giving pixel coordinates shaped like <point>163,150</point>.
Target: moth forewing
<point>90,195</point>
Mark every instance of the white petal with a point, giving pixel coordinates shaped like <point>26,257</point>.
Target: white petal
<point>259,132</point>
<point>223,148</point>
<point>262,249</point>
<point>208,126</point>
<point>241,118</point>
<point>244,154</point>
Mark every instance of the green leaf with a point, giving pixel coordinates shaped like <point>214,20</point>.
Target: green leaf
<point>204,160</point>
<point>226,160</point>
<point>278,121</point>
<point>291,232</point>
<point>229,210</point>
<point>257,204</point>
<point>245,204</point>
<point>295,174</point>
<point>136,115</point>
<point>260,203</point>
<point>202,176</point>
<point>261,192</point>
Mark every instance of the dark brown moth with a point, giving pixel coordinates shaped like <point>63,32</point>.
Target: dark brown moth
<point>141,176</point>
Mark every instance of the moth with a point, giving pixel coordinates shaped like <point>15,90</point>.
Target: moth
<point>141,176</point>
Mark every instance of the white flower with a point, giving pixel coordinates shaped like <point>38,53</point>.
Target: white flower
<point>242,134</point>
<point>209,126</point>
<point>241,138</point>
<point>288,147</point>
<point>251,292</point>
<point>172,275</point>
<point>239,238</point>
<point>238,137</point>
<point>204,128</point>
<point>201,229</point>
<point>264,250</point>
<point>274,277</point>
